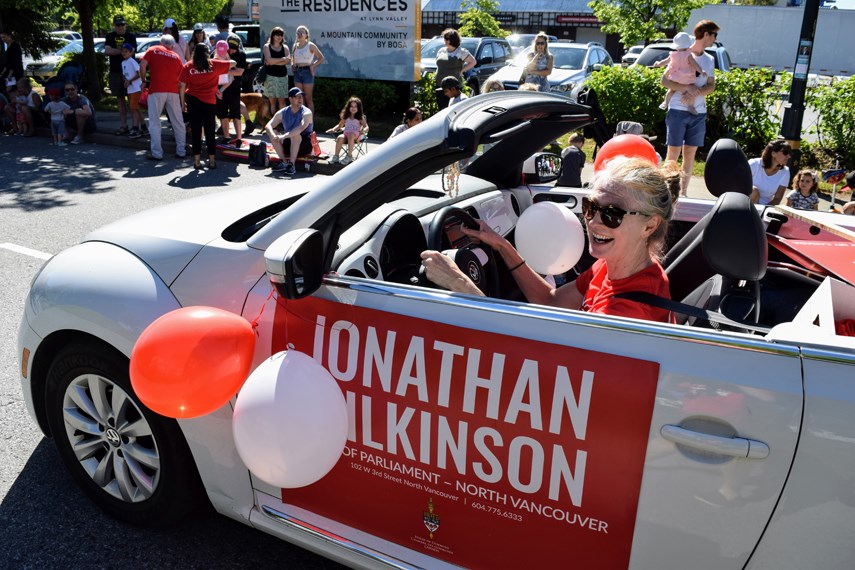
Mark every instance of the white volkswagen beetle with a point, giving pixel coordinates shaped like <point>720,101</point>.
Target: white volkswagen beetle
<point>482,431</point>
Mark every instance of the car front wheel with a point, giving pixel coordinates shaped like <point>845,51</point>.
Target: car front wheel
<point>134,464</point>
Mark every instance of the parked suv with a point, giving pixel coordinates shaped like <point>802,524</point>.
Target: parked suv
<point>490,55</point>
<point>252,38</point>
<point>660,49</point>
<point>572,65</point>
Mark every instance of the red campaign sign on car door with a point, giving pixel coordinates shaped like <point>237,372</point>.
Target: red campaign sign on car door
<point>481,449</point>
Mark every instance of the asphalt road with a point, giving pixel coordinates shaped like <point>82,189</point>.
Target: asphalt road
<point>50,198</point>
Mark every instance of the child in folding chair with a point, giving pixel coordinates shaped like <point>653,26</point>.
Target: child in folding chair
<point>352,127</point>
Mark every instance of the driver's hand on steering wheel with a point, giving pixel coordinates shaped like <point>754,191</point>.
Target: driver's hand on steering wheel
<point>486,235</point>
<point>442,270</point>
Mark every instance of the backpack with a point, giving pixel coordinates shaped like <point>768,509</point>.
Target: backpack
<point>258,155</point>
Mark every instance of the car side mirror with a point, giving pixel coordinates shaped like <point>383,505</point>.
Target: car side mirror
<point>597,66</point>
<point>542,167</point>
<point>295,263</point>
<point>486,60</point>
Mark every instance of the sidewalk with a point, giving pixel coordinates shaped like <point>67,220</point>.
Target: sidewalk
<point>108,123</point>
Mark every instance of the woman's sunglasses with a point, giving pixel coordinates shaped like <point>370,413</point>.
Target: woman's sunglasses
<point>612,216</point>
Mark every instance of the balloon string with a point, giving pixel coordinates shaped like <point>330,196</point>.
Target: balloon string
<point>263,305</point>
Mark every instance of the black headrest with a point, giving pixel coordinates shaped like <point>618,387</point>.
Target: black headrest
<point>727,169</point>
<point>734,241</point>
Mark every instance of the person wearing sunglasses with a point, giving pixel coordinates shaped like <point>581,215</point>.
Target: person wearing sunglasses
<point>80,115</point>
<point>769,173</point>
<point>626,217</point>
<point>539,66</point>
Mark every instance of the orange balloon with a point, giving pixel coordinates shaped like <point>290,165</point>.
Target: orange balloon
<point>625,145</point>
<point>191,361</point>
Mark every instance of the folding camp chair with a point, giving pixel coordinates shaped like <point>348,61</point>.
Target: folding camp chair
<point>360,147</point>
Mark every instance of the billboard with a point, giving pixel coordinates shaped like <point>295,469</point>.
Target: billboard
<point>360,39</point>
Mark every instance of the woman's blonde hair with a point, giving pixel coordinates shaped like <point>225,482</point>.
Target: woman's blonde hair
<point>540,36</point>
<point>652,190</point>
<point>305,29</point>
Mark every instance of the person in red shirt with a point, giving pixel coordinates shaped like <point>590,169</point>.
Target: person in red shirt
<point>627,218</point>
<point>197,90</point>
<point>164,66</point>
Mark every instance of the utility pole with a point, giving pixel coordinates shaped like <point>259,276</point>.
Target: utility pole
<point>794,109</point>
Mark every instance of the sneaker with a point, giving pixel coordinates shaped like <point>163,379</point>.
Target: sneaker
<point>149,156</point>
<point>134,133</point>
<point>347,159</point>
<point>334,159</point>
<point>62,143</point>
<point>250,126</point>
<point>290,169</point>
<point>279,167</point>
<point>76,140</point>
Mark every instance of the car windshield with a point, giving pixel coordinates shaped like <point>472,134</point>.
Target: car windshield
<point>429,49</point>
<point>653,54</point>
<point>562,57</point>
<point>75,47</point>
<point>521,40</point>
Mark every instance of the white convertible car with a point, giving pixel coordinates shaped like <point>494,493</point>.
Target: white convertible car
<point>483,432</point>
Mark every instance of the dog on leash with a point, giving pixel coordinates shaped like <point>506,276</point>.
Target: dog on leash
<point>258,103</point>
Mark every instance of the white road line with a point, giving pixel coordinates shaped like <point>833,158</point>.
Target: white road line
<point>26,251</point>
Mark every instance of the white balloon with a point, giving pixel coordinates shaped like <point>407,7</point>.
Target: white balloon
<point>550,238</point>
<point>290,421</point>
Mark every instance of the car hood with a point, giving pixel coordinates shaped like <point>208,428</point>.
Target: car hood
<point>47,60</point>
<point>169,236</point>
<point>511,74</point>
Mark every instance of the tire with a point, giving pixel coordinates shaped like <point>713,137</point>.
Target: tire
<point>132,463</point>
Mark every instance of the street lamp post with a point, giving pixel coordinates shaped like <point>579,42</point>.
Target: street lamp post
<point>794,109</point>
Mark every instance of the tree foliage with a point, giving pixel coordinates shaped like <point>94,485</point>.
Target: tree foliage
<point>478,19</point>
<point>638,21</point>
<point>30,22</point>
<point>835,128</point>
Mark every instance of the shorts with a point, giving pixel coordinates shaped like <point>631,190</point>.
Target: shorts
<point>305,146</point>
<point>684,128</point>
<point>303,75</point>
<point>134,100</point>
<point>229,106</point>
<point>57,128</point>
<point>276,87</point>
<point>117,84</point>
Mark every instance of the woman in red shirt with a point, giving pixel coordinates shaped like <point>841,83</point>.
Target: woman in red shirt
<point>627,218</point>
<point>199,83</point>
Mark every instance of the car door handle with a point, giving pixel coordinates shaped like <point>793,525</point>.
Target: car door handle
<point>731,446</point>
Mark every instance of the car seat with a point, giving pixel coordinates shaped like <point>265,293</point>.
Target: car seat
<point>735,247</point>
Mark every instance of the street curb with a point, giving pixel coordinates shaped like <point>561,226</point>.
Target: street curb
<point>168,143</point>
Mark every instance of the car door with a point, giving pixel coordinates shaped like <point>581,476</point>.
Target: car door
<point>606,442</point>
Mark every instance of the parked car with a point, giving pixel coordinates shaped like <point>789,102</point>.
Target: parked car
<point>490,55</point>
<point>661,48</point>
<point>573,64</point>
<point>519,42</point>
<point>561,436</point>
<point>66,35</point>
<point>45,68</point>
<point>145,43</point>
<point>631,55</point>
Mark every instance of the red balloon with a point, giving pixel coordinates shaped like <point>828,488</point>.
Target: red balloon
<point>626,145</point>
<point>191,361</point>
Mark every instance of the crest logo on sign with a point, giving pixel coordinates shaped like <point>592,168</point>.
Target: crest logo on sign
<point>430,518</point>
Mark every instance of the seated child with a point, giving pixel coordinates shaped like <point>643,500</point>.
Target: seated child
<point>351,126</point>
<point>682,67</point>
<point>57,108</point>
<point>451,89</point>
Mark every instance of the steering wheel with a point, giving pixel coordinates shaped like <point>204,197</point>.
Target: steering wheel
<point>484,275</point>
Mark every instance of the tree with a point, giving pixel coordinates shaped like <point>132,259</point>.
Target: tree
<point>638,21</point>
<point>478,19</point>
<point>30,22</point>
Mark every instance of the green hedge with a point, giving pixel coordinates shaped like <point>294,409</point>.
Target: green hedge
<point>331,94</point>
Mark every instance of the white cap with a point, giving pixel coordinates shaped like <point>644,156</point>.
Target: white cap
<point>683,41</point>
<point>169,23</point>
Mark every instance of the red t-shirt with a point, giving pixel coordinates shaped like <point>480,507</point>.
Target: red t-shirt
<point>598,292</point>
<point>203,85</point>
<point>165,67</point>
